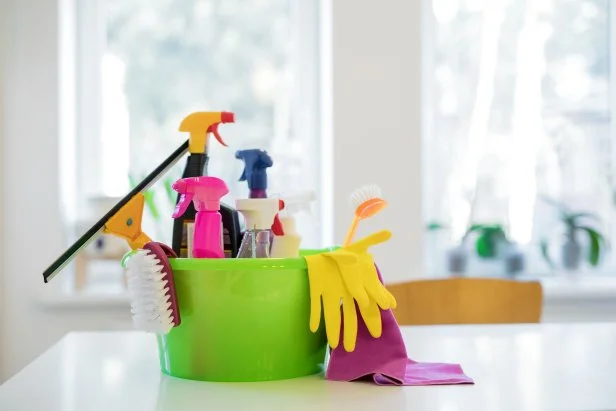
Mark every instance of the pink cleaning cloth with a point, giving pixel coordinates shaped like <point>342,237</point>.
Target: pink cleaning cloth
<point>385,360</point>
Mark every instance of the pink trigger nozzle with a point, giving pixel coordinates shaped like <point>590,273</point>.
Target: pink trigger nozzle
<point>205,192</point>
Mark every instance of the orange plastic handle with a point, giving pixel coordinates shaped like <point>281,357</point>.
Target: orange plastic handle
<point>126,223</point>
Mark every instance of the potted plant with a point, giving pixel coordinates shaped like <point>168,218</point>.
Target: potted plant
<point>576,226</point>
<point>490,239</point>
<point>456,258</point>
<point>491,243</point>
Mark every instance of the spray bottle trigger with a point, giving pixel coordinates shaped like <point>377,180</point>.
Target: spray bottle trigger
<point>214,129</point>
<point>277,227</point>
<point>182,205</point>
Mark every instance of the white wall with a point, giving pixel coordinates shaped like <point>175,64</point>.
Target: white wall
<point>376,128</point>
<point>5,31</point>
<point>32,232</point>
<point>376,121</point>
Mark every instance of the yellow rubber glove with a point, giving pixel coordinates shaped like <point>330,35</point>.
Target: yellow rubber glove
<point>326,284</point>
<point>361,279</point>
<point>370,277</point>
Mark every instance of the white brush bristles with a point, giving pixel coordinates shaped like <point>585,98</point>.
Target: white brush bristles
<point>364,194</point>
<point>147,288</point>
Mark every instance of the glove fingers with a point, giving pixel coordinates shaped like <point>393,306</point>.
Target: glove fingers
<point>355,286</point>
<point>331,309</point>
<point>314,267</point>
<point>368,241</point>
<point>315,312</point>
<point>350,324</point>
<point>351,276</point>
<point>392,300</point>
<point>372,319</point>
<point>379,295</point>
<point>375,289</point>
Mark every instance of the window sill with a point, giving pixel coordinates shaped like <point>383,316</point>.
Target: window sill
<point>558,289</point>
<point>579,288</point>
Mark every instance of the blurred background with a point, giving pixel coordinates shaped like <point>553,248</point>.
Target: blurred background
<point>487,125</point>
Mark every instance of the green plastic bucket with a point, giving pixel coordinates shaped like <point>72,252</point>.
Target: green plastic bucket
<point>242,320</point>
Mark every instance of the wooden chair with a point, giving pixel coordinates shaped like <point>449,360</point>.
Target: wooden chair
<point>467,301</point>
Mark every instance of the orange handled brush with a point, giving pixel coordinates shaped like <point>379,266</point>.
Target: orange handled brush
<point>367,202</point>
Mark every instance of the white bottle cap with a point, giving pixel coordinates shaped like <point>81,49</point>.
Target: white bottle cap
<point>259,213</point>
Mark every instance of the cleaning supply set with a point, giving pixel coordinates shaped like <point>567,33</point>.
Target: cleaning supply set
<point>255,306</point>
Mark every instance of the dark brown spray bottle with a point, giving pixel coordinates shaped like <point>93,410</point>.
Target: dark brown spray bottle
<point>200,125</point>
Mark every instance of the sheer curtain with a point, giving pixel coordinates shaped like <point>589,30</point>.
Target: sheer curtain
<point>521,113</point>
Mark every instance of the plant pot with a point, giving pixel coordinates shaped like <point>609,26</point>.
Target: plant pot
<point>514,262</point>
<point>571,255</point>
<point>457,260</point>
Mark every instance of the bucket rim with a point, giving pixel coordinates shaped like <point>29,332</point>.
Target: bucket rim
<point>295,263</point>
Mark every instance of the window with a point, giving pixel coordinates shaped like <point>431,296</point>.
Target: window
<point>143,66</point>
<point>519,115</point>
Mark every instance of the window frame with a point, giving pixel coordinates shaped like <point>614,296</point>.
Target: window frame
<point>90,45</point>
<point>428,105</point>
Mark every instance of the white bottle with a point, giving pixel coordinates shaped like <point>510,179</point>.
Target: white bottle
<point>288,245</point>
<point>259,214</point>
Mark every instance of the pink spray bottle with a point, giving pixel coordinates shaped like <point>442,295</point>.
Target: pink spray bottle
<point>205,192</point>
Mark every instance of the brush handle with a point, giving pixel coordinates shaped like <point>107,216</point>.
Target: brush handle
<point>139,242</point>
<point>351,231</point>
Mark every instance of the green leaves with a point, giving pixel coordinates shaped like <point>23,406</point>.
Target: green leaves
<point>571,219</point>
<point>573,225</point>
<point>489,238</point>
<point>545,252</point>
<point>435,226</point>
<point>171,194</point>
<point>561,207</point>
<point>595,240</point>
<point>149,195</point>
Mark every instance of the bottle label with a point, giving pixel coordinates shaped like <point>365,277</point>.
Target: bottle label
<point>184,242</point>
<point>226,241</point>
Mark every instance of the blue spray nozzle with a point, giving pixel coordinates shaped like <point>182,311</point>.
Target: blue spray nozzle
<point>255,164</point>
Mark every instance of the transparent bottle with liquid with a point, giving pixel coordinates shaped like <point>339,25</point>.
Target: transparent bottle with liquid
<point>259,214</point>
<point>255,244</point>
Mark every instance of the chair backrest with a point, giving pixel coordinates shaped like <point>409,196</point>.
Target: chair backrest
<point>467,301</point>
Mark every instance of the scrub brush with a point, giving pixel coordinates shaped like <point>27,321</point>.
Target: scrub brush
<point>149,277</point>
<point>152,290</point>
<point>367,202</point>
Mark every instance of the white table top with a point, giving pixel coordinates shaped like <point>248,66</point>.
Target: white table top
<point>515,367</point>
